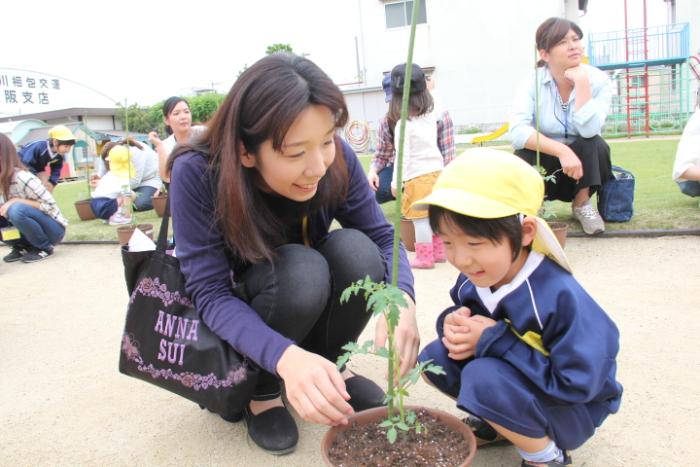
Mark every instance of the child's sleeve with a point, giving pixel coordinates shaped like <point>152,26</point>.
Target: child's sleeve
<point>579,346</point>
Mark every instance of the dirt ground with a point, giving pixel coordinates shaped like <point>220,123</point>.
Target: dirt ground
<point>63,402</point>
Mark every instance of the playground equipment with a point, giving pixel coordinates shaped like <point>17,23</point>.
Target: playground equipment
<point>651,69</point>
<point>357,135</point>
<point>480,140</point>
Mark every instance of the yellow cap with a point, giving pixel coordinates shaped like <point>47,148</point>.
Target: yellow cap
<point>120,164</point>
<point>61,133</point>
<point>488,184</point>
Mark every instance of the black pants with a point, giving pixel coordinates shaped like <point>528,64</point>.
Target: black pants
<point>299,296</point>
<point>594,154</point>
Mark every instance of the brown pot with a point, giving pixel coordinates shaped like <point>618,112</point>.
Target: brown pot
<point>124,232</point>
<point>159,203</point>
<point>367,417</point>
<point>560,229</point>
<point>408,234</point>
<point>84,210</point>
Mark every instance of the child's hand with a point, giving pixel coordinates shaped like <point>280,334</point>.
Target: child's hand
<point>477,324</point>
<point>456,331</point>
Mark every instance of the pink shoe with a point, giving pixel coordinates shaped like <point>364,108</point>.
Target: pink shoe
<point>438,250</point>
<point>424,256</point>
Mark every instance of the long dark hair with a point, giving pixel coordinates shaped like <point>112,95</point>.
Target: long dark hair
<point>551,31</point>
<point>418,104</point>
<point>262,105</point>
<point>168,107</point>
<point>9,163</point>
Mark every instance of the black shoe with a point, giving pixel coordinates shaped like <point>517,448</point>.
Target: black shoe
<point>35,254</point>
<point>552,463</point>
<point>234,417</point>
<point>364,393</point>
<point>485,435</point>
<point>15,255</point>
<point>274,430</point>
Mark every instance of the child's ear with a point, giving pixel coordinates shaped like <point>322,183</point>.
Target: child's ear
<point>247,159</point>
<point>529,230</point>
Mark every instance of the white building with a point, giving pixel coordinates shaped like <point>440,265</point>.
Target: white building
<point>477,52</point>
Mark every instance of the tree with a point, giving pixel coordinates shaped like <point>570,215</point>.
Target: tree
<point>204,106</point>
<point>141,119</point>
<point>278,48</point>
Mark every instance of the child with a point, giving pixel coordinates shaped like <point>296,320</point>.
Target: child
<point>108,201</point>
<point>48,152</point>
<point>525,348</point>
<point>422,159</point>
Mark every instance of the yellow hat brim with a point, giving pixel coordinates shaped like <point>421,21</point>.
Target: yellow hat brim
<point>466,203</point>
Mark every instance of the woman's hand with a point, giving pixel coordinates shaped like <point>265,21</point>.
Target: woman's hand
<point>576,74</point>
<point>570,163</point>
<point>406,336</point>
<point>6,206</point>
<point>154,138</point>
<point>314,387</point>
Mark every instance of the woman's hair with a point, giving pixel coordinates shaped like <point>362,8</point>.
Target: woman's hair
<point>419,103</point>
<point>262,105</point>
<point>495,230</point>
<point>9,162</point>
<point>550,32</point>
<point>168,107</point>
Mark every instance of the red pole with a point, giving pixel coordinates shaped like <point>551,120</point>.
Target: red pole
<point>646,72</point>
<point>627,75</point>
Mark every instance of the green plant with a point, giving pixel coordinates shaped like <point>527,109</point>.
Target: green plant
<point>387,299</point>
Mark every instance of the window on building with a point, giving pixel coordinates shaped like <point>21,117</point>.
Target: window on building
<point>398,14</point>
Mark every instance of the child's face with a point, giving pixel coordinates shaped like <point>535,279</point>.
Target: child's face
<point>485,263</point>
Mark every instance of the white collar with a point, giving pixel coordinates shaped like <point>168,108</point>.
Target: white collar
<point>492,299</point>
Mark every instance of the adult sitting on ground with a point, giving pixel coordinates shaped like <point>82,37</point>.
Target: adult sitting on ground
<point>252,205</point>
<point>27,206</point>
<point>145,179</point>
<point>574,99</point>
<point>38,154</point>
<point>686,167</point>
<point>381,168</point>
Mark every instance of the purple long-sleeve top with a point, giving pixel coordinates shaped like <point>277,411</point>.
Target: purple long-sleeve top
<point>202,252</point>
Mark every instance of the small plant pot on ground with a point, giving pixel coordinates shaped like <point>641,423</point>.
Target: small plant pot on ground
<point>124,232</point>
<point>560,230</point>
<point>159,203</point>
<point>445,440</point>
<point>408,234</point>
<point>84,210</point>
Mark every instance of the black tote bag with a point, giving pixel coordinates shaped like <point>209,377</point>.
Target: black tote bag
<point>165,343</point>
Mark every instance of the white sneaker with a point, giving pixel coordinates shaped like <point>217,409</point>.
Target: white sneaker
<point>119,219</point>
<point>590,220</point>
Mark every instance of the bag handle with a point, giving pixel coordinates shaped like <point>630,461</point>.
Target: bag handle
<point>162,242</point>
<point>617,168</point>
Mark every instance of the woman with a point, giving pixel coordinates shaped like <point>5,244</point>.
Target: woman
<point>252,201</point>
<point>574,99</point>
<point>31,221</point>
<point>178,125</point>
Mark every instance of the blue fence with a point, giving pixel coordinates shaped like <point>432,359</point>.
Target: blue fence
<point>658,45</point>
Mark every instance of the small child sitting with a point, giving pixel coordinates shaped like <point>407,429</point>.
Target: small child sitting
<point>107,201</point>
<point>526,351</point>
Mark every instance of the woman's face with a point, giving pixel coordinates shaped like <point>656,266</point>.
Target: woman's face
<point>180,118</point>
<point>567,53</point>
<point>307,151</point>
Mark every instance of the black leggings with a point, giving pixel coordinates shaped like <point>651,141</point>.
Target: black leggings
<point>299,296</point>
<point>594,154</point>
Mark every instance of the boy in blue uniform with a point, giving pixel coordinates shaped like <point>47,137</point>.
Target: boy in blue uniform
<point>527,352</point>
<point>38,154</point>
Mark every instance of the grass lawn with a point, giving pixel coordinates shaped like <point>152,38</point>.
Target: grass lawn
<point>658,202</point>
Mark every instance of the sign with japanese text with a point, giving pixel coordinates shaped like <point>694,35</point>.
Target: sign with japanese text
<point>27,92</point>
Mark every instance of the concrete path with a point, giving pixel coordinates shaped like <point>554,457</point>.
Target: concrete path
<point>63,401</point>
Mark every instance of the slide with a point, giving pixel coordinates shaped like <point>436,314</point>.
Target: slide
<point>480,140</point>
